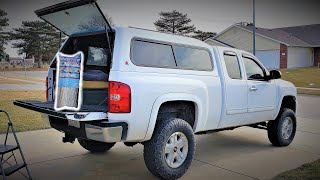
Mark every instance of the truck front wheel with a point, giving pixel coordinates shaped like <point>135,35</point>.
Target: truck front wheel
<point>282,130</point>
<point>169,153</point>
<point>95,146</point>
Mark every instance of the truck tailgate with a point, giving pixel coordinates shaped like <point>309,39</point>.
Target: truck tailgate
<point>48,108</point>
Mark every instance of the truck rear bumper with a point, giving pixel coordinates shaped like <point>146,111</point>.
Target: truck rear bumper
<point>93,122</point>
<point>104,134</point>
<point>103,131</point>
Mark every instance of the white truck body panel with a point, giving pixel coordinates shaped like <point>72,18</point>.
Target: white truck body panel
<point>220,101</point>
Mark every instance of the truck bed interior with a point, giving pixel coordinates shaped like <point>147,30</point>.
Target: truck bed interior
<point>97,61</point>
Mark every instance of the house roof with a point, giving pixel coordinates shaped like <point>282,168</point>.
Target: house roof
<point>302,36</point>
<point>307,33</point>
<point>219,42</point>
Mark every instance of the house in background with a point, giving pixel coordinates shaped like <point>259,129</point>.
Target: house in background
<point>29,62</point>
<point>4,63</point>
<point>18,61</point>
<point>289,47</point>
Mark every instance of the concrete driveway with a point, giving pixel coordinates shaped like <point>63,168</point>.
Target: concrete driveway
<point>244,153</point>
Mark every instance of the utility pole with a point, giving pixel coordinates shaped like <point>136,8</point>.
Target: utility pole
<point>173,27</point>
<point>25,66</point>
<point>254,27</point>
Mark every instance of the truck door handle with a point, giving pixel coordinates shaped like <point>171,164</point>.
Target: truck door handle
<point>253,88</point>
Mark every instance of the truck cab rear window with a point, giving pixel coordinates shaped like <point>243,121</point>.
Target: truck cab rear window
<point>97,56</point>
<point>153,54</point>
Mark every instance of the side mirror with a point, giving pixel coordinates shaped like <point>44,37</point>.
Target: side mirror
<point>275,74</point>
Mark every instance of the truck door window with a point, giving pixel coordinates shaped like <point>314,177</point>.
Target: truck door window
<point>253,70</point>
<point>232,65</point>
<point>97,56</point>
<point>192,58</point>
<point>152,54</point>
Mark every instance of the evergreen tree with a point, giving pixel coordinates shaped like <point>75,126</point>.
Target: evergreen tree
<point>202,35</point>
<point>174,22</point>
<point>37,39</point>
<point>3,36</point>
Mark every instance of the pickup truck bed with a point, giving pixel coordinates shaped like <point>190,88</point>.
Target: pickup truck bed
<point>48,107</point>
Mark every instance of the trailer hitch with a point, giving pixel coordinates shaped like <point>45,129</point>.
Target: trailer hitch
<point>68,138</point>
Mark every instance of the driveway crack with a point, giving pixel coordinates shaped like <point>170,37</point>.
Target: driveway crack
<point>226,169</point>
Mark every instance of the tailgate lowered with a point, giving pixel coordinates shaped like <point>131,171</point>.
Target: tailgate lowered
<point>86,113</point>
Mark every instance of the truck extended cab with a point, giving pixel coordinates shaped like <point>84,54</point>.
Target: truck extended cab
<point>160,89</point>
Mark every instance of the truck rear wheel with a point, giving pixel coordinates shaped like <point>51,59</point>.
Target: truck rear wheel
<point>282,130</point>
<point>169,153</point>
<point>95,146</point>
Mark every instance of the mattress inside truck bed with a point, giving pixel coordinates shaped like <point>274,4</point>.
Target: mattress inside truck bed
<point>48,107</point>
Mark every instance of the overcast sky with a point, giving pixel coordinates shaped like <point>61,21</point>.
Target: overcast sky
<point>206,15</point>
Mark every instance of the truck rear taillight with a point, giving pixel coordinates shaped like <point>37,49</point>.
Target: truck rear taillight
<point>47,90</point>
<point>119,97</point>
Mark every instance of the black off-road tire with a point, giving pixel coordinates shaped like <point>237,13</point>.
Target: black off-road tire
<point>275,128</point>
<point>154,155</point>
<point>95,146</point>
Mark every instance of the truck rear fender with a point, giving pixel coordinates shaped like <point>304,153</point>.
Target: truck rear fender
<point>199,110</point>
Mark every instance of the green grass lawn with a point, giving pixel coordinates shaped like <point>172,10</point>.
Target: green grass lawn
<point>309,171</point>
<point>303,77</point>
<point>22,119</point>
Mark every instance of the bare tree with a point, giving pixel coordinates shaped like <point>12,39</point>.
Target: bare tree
<point>97,21</point>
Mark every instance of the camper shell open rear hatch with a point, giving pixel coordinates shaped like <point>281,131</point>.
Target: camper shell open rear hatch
<point>72,17</point>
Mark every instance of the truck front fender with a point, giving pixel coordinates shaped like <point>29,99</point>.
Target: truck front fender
<point>285,89</point>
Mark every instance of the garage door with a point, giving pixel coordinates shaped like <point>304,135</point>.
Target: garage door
<point>300,57</point>
<point>269,58</point>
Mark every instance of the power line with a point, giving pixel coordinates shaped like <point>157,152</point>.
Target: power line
<point>254,27</point>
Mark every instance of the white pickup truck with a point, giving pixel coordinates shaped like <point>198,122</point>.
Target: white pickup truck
<point>159,89</point>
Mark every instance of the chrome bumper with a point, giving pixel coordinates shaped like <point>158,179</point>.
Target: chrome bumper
<point>103,134</point>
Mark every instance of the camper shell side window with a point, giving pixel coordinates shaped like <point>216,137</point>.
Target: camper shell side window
<point>149,53</point>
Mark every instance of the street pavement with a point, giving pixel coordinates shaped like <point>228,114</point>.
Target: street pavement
<point>244,153</point>
<point>30,84</point>
<point>32,74</point>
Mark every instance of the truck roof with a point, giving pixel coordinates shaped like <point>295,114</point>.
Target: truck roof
<point>131,32</point>
<point>232,49</point>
